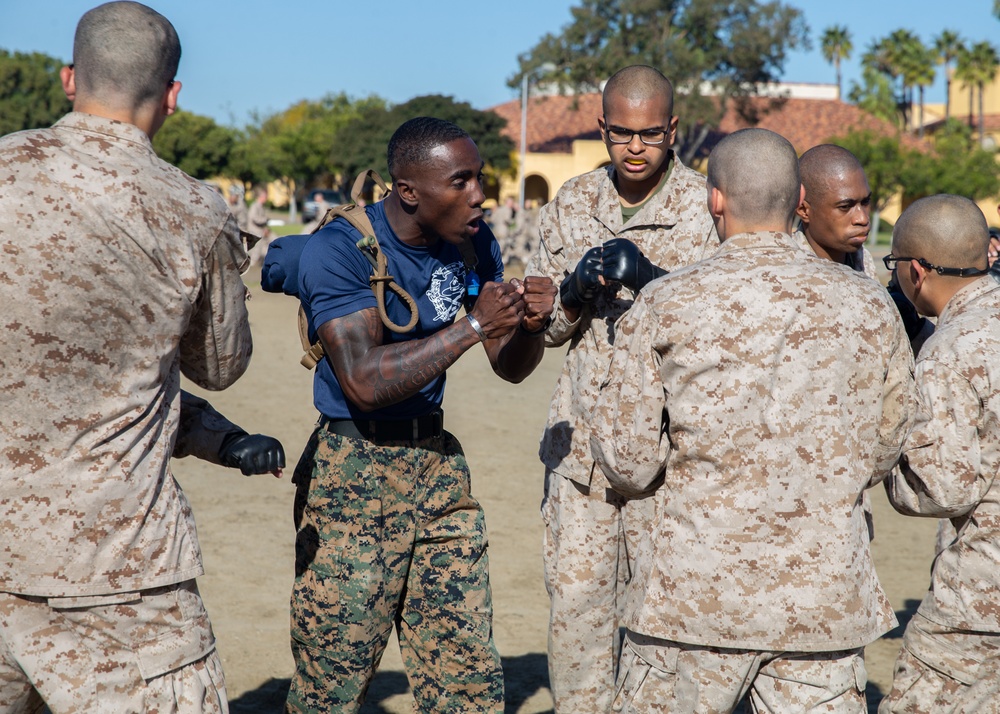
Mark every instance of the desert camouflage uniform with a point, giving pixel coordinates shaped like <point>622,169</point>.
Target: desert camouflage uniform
<point>950,661</point>
<point>119,272</point>
<point>759,409</point>
<point>862,262</point>
<point>587,542</point>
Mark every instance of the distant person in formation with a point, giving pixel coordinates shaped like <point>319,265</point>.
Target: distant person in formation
<point>605,235</point>
<point>121,273</point>
<point>751,396</point>
<point>238,206</point>
<point>258,224</point>
<point>950,659</point>
<point>507,222</point>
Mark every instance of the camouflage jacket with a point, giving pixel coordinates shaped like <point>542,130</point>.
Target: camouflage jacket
<point>672,229</point>
<point>951,459</point>
<point>760,410</point>
<point>119,273</point>
<point>861,261</point>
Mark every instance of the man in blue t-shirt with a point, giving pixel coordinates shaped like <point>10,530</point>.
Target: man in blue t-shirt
<point>388,531</point>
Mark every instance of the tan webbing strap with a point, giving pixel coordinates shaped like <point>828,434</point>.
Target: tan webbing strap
<point>380,278</point>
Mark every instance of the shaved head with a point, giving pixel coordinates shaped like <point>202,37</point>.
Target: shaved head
<point>824,165</point>
<point>124,54</point>
<point>638,84</point>
<point>758,173</point>
<point>945,230</point>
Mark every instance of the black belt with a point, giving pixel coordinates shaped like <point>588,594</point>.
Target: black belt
<point>422,427</point>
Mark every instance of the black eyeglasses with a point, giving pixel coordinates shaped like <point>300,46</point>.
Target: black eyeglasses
<point>891,260</point>
<point>621,135</point>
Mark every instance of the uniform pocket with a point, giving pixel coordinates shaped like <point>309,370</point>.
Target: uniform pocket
<point>185,637</point>
<point>646,674</point>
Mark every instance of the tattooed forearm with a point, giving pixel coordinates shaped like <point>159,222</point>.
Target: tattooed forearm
<point>404,369</point>
<point>374,375</point>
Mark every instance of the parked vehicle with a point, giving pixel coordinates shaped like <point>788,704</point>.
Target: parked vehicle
<point>331,197</point>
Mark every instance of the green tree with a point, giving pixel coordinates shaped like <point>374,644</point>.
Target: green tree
<point>836,45</point>
<point>195,144</point>
<point>361,143</point>
<point>982,64</point>
<point>875,95</point>
<point>735,46</point>
<point>919,71</point>
<point>299,144</point>
<point>31,94</point>
<point>956,165</point>
<point>948,46</point>
<point>966,74</point>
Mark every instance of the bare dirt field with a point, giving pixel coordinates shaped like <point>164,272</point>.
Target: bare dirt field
<point>245,525</point>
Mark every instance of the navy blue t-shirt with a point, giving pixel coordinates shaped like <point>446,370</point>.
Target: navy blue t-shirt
<point>333,282</point>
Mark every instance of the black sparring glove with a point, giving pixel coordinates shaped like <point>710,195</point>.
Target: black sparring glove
<point>252,453</point>
<point>581,286</point>
<point>911,318</point>
<point>625,263</point>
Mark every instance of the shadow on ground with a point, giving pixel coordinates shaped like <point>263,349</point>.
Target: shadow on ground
<point>524,676</point>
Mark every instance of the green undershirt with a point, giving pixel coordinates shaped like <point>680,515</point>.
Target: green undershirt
<point>629,211</point>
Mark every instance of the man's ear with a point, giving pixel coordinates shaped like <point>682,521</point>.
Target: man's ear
<point>804,211</point>
<point>918,274</point>
<point>672,131</point>
<point>406,191</point>
<point>68,77</point>
<point>170,98</point>
<point>716,202</point>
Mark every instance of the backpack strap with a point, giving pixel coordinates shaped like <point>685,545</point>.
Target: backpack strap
<point>380,278</point>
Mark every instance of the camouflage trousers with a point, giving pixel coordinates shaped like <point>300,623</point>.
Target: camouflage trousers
<point>591,537</point>
<point>390,535</point>
<point>151,651</point>
<point>662,676</point>
<point>945,671</point>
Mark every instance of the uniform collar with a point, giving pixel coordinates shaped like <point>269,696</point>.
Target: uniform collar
<point>761,239</point>
<point>968,294</point>
<point>91,123</point>
<point>660,210</point>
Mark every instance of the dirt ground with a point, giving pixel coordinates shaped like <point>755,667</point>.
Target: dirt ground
<point>245,525</point>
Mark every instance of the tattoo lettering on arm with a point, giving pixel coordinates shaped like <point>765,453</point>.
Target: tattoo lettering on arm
<point>404,371</point>
<point>374,375</point>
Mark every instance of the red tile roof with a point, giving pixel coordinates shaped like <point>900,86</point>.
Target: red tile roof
<point>554,122</point>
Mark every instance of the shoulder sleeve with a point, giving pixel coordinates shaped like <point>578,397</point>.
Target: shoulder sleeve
<point>551,261</point>
<point>333,274</point>
<point>939,473</point>
<point>628,436</point>
<point>215,350</point>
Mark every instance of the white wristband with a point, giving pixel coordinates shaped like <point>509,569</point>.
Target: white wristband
<point>477,327</point>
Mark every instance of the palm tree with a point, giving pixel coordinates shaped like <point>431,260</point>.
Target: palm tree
<point>920,70</point>
<point>884,56</point>
<point>948,45</point>
<point>965,73</point>
<point>904,50</point>
<point>836,45</point>
<point>984,63</point>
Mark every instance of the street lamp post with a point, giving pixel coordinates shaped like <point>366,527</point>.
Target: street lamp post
<point>524,141</point>
<point>545,68</point>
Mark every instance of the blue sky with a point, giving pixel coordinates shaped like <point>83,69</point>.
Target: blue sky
<point>264,55</point>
